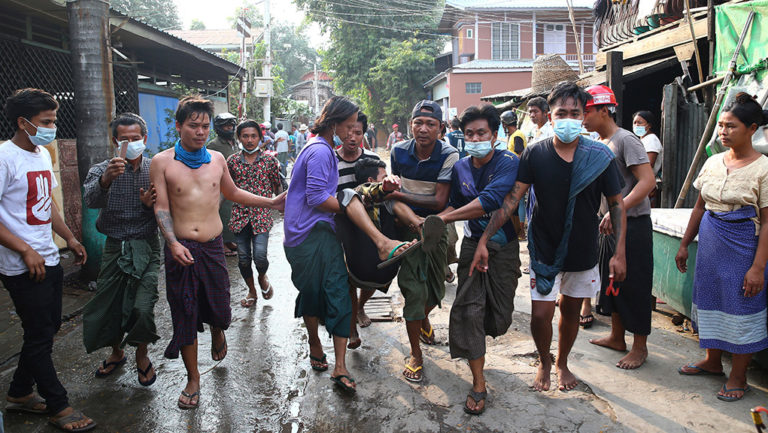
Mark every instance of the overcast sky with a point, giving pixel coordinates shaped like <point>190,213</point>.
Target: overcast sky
<point>214,14</point>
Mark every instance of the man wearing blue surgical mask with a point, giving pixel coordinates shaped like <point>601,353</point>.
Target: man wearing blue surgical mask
<point>29,259</point>
<point>478,186</point>
<point>571,174</point>
<point>127,285</point>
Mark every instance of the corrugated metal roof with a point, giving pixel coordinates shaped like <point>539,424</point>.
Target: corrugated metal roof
<point>203,38</point>
<point>495,64</point>
<point>517,4</point>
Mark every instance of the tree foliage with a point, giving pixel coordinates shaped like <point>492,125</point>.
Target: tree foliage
<point>161,14</point>
<point>381,53</point>
<point>197,25</point>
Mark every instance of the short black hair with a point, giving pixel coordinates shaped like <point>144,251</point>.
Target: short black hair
<point>362,118</point>
<point>28,103</point>
<point>649,118</point>
<point>455,124</point>
<point>279,126</point>
<point>128,119</point>
<point>482,111</point>
<point>565,90</point>
<point>367,167</point>
<point>193,104</point>
<point>249,123</point>
<point>540,103</point>
<point>746,108</point>
<point>336,110</point>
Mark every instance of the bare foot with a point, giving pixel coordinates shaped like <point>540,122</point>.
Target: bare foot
<point>363,319</point>
<point>543,381</point>
<point>635,358</point>
<point>387,247</point>
<point>82,422</point>
<point>610,343</point>
<point>565,379</point>
<point>354,343</point>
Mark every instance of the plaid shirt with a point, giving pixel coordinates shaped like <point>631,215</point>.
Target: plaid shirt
<point>123,216</point>
<point>261,178</point>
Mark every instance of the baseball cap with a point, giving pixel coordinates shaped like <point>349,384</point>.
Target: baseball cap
<point>426,108</point>
<point>395,125</point>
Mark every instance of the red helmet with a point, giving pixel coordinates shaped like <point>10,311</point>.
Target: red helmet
<point>601,95</point>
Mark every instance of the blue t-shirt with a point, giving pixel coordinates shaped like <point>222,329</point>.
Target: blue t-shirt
<point>489,184</point>
<point>456,139</point>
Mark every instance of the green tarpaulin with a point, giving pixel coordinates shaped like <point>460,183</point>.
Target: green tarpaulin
<point>730,20</point>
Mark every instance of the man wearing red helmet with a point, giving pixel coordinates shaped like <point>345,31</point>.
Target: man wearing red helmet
<point>630,308</point>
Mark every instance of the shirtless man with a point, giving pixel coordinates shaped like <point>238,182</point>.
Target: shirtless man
<point>189,179</point>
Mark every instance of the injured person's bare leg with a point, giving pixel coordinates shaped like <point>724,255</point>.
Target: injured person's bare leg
<point>359,216</point>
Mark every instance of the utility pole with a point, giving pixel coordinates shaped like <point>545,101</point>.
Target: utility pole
<point>317,95</point>
<point>94,106</point>
<point>268,62</point>
<point>244,28</point>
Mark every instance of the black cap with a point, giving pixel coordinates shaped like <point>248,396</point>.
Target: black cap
<point>426,108</point>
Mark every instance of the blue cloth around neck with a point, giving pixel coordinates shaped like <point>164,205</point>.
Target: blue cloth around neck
<point>192,159</point>
<point>589,161</point>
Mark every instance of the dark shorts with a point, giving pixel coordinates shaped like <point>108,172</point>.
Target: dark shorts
<point>198,293</point>
<point>361,253</point>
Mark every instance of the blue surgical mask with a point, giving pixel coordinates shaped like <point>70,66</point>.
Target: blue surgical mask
<point>135,149</point>
<point>43,135</point>
<point>336,140</point>
<point>639,130</point>
<point>478,149</point>
<point>567,130</point>
<point>249,152</point>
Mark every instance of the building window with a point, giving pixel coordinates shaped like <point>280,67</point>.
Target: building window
<point>474,87</point>
<point>505,41</point>
<point>470,33</point>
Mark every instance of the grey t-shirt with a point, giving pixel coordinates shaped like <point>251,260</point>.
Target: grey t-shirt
<point>630,151</point>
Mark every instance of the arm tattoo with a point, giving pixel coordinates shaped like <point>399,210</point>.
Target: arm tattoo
<point>165,222</point>
<point>615,211</point>
<point>501,216</point>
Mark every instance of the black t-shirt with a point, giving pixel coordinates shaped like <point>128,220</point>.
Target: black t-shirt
<point>542,167</point>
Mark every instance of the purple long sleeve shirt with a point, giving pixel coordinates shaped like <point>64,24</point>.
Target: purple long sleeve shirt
<point>313,180</point>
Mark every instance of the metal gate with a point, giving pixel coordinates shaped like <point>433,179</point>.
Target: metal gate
<point>27,65</point>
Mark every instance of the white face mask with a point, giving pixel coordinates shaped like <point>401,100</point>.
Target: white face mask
<point>135,149</point>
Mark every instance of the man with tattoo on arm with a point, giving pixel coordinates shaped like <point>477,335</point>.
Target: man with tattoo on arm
<point>188,179</point>
<point>570,174</point>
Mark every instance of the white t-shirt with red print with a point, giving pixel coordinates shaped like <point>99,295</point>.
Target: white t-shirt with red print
<point>26,199</point>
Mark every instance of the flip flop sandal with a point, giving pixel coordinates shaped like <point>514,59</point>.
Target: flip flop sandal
<point>477,397</point>
<point>587,321</point>
<point>28,406</point>
<point>392,258</point>
<point>222,348</point>
<point>431,232</point>
<point>267,294</point>
<point>247,302</point>
<point>75,416</point>
<point>698,371</point>
<point>186,406</point>
<point>323,360</point>
<point>450,277</point>
<point>418,371</point>
<point>428,338</point>
<point>145,373</point>
<point>732,399</point>
<point>105,365</point>
<point>340,383</point>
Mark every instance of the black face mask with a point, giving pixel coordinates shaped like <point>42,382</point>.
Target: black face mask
<point>227,135</point>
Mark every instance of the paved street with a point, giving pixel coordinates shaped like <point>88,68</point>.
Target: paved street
<point>265,383</point>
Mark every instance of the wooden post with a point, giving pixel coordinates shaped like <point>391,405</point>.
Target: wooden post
<point>669,137</point>
<point>615,74</point>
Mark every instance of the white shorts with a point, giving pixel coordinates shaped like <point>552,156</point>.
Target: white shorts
<point>584,284</point>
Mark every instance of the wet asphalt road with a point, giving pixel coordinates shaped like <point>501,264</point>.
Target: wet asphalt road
<point>257,388</point>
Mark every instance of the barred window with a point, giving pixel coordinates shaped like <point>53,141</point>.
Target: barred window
<point>474,87</point>
<point>505,41</point>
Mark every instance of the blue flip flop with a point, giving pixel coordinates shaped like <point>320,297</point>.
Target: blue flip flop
<point>732,399</point>
<point>392,258</point>
<point>105,365</point>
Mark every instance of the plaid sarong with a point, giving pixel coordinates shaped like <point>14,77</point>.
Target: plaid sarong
<point>198,293</point>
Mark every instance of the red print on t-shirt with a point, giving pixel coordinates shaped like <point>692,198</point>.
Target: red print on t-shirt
<point>38,197</point>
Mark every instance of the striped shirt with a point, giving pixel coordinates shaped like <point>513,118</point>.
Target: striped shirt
<point>421,177</point>
<point>347,169</point>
